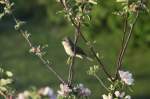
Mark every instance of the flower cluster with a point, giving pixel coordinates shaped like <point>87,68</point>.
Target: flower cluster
<point>117,95</point>
<point>65,90</point>
<point>133,6</point>
<point>5,82</point>
<point>93,70</point>
<point>125,81</point>
<point>46,92</point>
<point>121,95</point>
<point>82,90</point>
<point>79,90</point>
<point>7,9</point>
<point>36,50</point>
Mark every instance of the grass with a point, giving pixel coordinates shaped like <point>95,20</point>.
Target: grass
<point>29,71</point>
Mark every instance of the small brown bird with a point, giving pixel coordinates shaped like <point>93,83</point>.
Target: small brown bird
<point>69,48</point>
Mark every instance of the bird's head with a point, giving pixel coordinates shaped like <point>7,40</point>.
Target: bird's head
<point>66,40</point>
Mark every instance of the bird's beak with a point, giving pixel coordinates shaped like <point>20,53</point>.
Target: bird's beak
<point>63,42</point>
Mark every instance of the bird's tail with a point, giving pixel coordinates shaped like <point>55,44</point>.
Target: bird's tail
<point>84,57</point>
<point>89,58</point>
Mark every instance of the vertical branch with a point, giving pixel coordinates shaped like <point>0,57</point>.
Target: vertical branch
<point>126,43</point>
<point>128,38</point>
<point>123,38</point>
<point>71,67</point>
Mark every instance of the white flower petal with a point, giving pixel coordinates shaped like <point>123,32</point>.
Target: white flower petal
<point>126,77</point>
<point>105,96</point>
<point>117,93</point>
<point>127,97</point>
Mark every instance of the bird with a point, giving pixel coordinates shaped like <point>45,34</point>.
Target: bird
<point>69,49</point>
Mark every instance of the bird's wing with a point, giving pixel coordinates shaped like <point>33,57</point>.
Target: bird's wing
<point>79,51</point>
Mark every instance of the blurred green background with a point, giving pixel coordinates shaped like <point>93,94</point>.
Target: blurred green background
<point>47,27</point>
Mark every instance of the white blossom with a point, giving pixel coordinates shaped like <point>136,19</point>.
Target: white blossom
<point>126,77</point>
<point>9,74</point>
<point>127,97</point>
<point>48,91</point>
<point>5,81</point>
<point>85,92</point>
<point>119,94</point>
<point>107,97</point>
<point>23,95</point>
<point>64,90</point>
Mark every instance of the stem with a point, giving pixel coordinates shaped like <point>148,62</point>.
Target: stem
<point>97,58</point>
<point>71,69</point>
<point>101,82</point>
<point>123,38</point>
<point>51,69</point>
<point>126,43</point>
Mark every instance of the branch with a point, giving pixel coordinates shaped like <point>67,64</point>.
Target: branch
<point>51,69</point>
<point>101,82</point>
<point>123,38</point>
<point>126,44</point>
<point>97,58</point>
<point>71,69</point>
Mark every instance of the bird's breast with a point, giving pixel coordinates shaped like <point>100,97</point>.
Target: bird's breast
<point>68,49</point>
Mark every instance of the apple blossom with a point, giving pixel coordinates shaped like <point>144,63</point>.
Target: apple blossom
<point>126,77</point>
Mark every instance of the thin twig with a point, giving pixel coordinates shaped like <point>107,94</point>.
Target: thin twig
<point>51,69</point>
<point>128,38</point>
<point>101,82</point>
<point>126,43</point>
<point>97,58</point>
<point>71,68</point>
<point>123,38</point>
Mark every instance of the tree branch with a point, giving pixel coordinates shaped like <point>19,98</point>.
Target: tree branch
<point>123,38</point>
<point>126,44</point>
<point>71,68</point>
